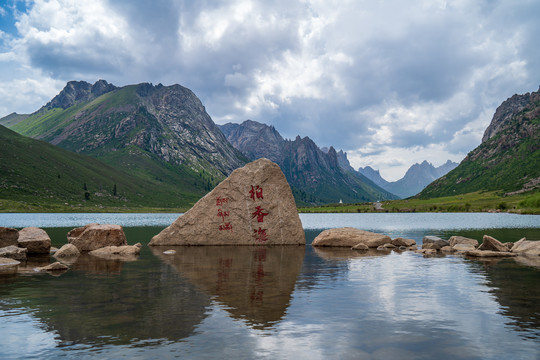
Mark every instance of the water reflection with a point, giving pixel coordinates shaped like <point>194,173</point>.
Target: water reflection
<point>102,302</point>
<point>254,283</point>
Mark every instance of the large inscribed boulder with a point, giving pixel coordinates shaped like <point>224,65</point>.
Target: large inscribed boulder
<point>253,206</point>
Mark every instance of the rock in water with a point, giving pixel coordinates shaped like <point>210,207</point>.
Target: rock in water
<point>8,236</point>
<point>253,206</point>
<point>35,240</point>
<point>95,236</point>
<point>350,237</point>
<point>527,247</point>
<point>67,250</point>
<point>13,252</point>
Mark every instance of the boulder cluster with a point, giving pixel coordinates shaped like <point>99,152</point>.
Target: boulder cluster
<point>104,241</point>
<point>361,240</point>
<point>431,245</point>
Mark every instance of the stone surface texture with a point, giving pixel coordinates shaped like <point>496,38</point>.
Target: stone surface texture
<point>253,206</point>
<point>13,252</point>
<point>8,265</point>
<point>8,236</point>
<point>95,236</point>
<point>454,240</point>
<point>526,247</point>
<point>35,240</point>
<point>67,250</point>
<point>490,243</point>
<point>350,237</point>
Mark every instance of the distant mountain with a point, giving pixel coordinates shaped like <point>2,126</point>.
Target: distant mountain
<point>34,171</point>
<point>316,176</point>
<point>417,177</point>
<point>157,133</point>
<point>507,160</point>
<point>373,175</point>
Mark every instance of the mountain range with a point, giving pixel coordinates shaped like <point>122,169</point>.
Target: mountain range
<point>163,137</point>
<point>417,177</point>
<point>316,173</point>
<point>507,160</point>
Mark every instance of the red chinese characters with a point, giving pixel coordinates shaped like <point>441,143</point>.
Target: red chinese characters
<point>259,214</point>
<point>260,235</point>
<point>256,192</point>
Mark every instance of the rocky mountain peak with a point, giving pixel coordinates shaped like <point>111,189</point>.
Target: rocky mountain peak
<point>506,111</point>
<point>79,91</point>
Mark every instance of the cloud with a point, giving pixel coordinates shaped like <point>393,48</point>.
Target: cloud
<point>377,78</point>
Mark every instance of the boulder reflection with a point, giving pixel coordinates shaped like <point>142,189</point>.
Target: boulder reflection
<point>255,283</point>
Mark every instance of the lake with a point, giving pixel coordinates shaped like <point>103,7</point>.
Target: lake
<point>278,302</point>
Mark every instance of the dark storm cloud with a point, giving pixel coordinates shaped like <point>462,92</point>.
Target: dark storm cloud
<point>373,77</point>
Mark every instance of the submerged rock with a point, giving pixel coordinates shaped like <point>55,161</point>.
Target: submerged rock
<point>253,206</point>
<point>489,253</point>
<point>126,252</point>
<point>13,252</point>
<point>95,236</point>
<point>8,266</point>
<point>35,240</point>
<point>57,266</point>
<point>350,237</point>
<point>8,236</point>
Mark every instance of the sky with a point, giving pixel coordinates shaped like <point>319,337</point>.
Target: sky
<point>390,82</point>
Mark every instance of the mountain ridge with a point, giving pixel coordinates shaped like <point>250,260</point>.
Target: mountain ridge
<point>317,173</point>
<point>508,157</point>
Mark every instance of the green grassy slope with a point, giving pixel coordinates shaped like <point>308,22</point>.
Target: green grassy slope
<point>36,172</point>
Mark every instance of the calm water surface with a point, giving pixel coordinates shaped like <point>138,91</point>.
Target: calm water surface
<point>279,302</point>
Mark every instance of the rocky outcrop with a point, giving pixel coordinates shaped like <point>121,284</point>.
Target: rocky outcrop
<point>8,236</point>
<point>67,251</point>
<point>253,206</point>
<point>76,92</point>
<point>350,237</point>
<point>95,236</point>
<point>463,247</point>
<point>492,244</point>
<point>35,240</point>
<point>13,252</point>
<point>526,247</point>
<point>126,252</point>
<point>8,266</point>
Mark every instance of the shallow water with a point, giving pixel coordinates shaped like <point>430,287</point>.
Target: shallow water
<point>279,302</point>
